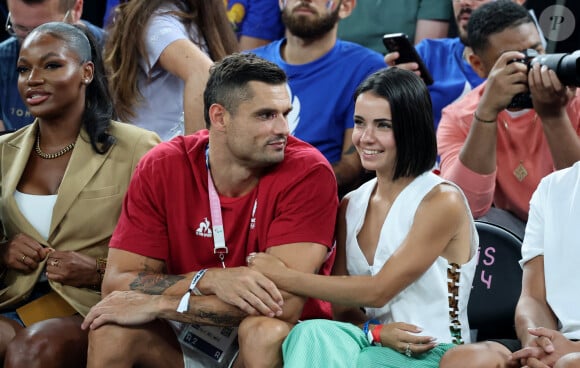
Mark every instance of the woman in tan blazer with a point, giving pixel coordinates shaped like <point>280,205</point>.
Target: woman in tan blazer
<point>62,182</point>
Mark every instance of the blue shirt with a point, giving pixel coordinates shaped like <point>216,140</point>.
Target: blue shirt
<point>322,92</point>
<point>261,19</point>
<point>111,4</point>
<point>452,74</point>
<point>13,111</point>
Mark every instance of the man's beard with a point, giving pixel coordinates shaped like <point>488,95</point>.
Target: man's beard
<point>302,27</point>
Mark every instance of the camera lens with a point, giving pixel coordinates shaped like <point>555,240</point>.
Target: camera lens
<point>566,66</point>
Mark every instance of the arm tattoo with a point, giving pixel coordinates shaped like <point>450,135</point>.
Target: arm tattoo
<point>218,319</point>
<point>152,282</point>
<point>207,310</point>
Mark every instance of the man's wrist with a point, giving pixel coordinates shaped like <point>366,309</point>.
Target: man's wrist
<point>483,116</point>
<point>165,305</point>
<point>554,118</point>
<point>206,283</point>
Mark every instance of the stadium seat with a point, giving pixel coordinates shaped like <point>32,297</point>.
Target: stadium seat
<point>497,283</point>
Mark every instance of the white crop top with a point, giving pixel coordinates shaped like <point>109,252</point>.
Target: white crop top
<point>37,209</point>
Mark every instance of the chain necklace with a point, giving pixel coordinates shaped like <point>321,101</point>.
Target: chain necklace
<point>520,171</point>
<point>50,156</point>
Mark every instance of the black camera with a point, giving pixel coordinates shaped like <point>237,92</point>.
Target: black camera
<point>566,67</point>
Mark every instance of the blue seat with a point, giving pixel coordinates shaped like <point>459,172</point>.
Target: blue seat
<point>497,283</point>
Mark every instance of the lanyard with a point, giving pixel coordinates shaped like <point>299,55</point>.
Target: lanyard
<point>219,241</point>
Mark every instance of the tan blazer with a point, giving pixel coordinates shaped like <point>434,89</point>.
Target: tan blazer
<point>87,207</point>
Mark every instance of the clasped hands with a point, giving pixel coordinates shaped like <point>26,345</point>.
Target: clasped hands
<point>544,350</point>
<point>246,289</point>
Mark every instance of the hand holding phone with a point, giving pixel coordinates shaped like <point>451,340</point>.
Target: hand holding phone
<point>399,42</point>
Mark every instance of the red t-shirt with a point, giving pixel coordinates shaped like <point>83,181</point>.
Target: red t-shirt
<point>166,212</point>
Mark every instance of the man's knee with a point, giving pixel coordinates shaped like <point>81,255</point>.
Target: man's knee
<point>112,339</point>
<point>152,344</point>
<point>571,360</point>
<point>263,330</point>
<point>260,340</point>
<point>479,355</point>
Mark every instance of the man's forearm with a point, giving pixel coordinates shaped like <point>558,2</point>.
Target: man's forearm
<point>204,310</point>
<point>147,281</point>
<point>479,151</point>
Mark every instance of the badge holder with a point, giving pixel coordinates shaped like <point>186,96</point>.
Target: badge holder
<point>218,344</point>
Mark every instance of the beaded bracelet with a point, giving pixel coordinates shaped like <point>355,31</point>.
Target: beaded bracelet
<point>483,121</point>
<point>101,264</point>
<point>101,267</point>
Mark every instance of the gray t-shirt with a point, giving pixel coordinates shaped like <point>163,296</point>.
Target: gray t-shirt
<point>162,107</point>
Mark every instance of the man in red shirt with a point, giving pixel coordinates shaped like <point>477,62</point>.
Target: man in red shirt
<point>173,269</point>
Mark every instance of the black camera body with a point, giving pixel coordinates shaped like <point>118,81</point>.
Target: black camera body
<point>566,67</point>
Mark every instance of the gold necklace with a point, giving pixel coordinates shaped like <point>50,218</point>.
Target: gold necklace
<point>520,171</point>
<point>50,156</point>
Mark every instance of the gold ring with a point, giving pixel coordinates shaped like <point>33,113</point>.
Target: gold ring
<point>23,258</point>
<point>408,351</point>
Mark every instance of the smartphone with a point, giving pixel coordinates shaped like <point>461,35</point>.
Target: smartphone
<point>400,43</point>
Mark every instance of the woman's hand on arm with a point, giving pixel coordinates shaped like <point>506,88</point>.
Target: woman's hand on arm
<point>267,264</point>
<point>427,239</point>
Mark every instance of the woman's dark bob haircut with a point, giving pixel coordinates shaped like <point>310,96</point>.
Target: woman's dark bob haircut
<point>412,117</point>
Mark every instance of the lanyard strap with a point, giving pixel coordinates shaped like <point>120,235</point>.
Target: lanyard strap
<point>219,241</point>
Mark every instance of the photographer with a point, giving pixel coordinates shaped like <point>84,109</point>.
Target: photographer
<point>497,152</point>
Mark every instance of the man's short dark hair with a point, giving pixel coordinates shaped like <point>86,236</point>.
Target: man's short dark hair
<point>229,78</point>
<point>412,117</point>
<point>492,18</point>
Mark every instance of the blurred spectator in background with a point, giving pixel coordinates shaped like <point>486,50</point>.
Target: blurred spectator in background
<point>158,55</point>
<point>3,16</point>
<point>448,60</point>
<point>256,22</point>
<point>418,19</point>
<point>93,11</point>
<point>109,10</point>
<point>323,73</point>
<point>495,147</point>
<point>24,16</point>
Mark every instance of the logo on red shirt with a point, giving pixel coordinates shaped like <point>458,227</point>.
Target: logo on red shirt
<point>204,229</point>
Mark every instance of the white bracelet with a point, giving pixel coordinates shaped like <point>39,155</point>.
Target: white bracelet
<point>184,303</point>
